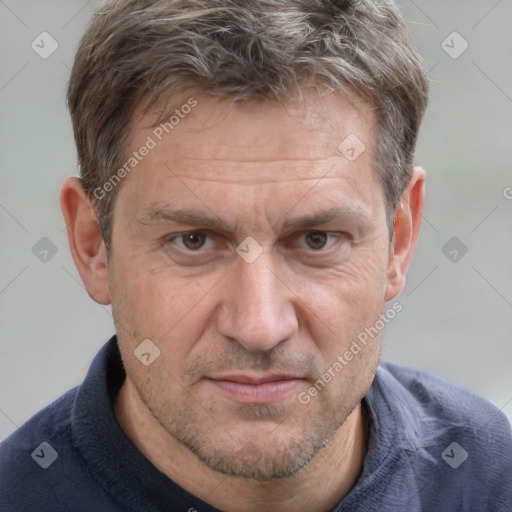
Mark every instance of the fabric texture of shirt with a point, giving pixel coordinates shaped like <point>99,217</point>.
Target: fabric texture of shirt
<point>433,446</point>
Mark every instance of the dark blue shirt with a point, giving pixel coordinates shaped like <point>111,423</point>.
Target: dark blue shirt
<point>433,446</point>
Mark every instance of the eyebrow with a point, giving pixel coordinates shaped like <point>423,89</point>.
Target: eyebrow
<point>167,213</point>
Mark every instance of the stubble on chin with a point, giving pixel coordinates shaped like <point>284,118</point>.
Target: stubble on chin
<point>260,442</point>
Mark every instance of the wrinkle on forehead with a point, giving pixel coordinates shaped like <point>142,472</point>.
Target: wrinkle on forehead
<point>310,128</point>
<point>252,172</point>
<point>259,158</point>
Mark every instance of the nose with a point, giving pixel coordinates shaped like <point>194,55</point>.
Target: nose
<point>257,308</point>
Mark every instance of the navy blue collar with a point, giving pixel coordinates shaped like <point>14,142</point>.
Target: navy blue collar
<point>124,472</point>
<point>110,456</point>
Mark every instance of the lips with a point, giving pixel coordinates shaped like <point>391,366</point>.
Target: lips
<point>256,389</point>
<point>254,379</point>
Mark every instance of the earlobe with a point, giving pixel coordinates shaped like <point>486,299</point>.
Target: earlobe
<point>85,240</point>
<point>408,214</point>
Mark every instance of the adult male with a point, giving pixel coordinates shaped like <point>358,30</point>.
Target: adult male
<point>247,204</point>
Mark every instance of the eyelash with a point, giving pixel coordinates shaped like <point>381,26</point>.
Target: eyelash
<point>177,236</point>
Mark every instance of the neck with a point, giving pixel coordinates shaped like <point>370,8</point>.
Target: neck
<point>318,487</point>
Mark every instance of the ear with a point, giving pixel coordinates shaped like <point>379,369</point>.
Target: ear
<point>85,240</point>
<point>406,228</point>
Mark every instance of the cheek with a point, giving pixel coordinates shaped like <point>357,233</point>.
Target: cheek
<point>158,304</point>
<point>341,305</point>
<point>356,285</point>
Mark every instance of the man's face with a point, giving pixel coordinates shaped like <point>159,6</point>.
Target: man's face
<point>241,333</point>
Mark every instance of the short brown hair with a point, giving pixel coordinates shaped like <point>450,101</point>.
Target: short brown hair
<point>138,50</point>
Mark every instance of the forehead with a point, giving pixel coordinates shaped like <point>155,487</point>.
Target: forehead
<point>218,150</point>
<point>310,128</point>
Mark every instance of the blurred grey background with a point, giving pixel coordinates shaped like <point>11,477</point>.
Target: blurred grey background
<point>457,316</point>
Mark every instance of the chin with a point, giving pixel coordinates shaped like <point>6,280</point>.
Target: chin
<point>257,448</point>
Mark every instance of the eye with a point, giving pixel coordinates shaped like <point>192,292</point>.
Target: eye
<point>318,240</point>
<point>192,241</point>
